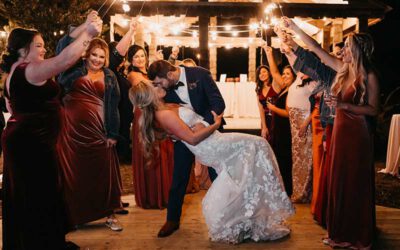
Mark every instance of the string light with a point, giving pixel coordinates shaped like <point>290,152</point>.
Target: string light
<point>228,27</point>
<point>126,7</point>
<point>3,34</point>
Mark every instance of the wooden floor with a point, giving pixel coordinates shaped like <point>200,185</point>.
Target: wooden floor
<point>141,227</point>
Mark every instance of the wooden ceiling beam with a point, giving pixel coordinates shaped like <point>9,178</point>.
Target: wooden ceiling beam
<point>368,8</point>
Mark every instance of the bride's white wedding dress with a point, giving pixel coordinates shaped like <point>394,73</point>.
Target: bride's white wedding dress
<point>248,199</point>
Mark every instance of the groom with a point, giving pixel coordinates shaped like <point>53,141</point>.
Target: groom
<point>194,88</point>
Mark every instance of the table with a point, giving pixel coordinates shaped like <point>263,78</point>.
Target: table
<point>393,149</point>
<point>240,99</point>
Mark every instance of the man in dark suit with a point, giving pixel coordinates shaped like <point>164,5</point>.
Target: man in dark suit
<point>191,87</point>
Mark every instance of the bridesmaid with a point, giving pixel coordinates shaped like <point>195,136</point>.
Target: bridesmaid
<point>281,139</point>
<point>265,91</point>
<point>33,207</point>
<point>151,181</point>
<point>351,206</point>
<point>87,145</point>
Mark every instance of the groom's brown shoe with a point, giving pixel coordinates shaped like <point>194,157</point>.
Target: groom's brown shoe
<point>168,228</point>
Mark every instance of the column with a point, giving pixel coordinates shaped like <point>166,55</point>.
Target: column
<point>326,37</point>
<point>139,35</point>
<point>337,30</point>
<point>252,53</point>
<point>152,47</point>
<point>362,25</point>
<point>213,52</point>
<point>203,41</point>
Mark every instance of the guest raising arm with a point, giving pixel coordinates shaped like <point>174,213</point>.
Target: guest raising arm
<point>33,205</point>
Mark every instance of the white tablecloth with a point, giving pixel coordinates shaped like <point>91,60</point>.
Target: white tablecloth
<point>240,99</point>
<point>393,149</point>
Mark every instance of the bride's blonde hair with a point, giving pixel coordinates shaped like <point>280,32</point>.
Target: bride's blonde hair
<point>144,97</point>
<point>361,46</point>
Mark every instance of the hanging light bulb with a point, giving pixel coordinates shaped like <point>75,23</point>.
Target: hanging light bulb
<point>140,19</point>
<point>126,7</point>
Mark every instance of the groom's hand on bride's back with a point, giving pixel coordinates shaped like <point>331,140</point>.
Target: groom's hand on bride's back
<point>217,118</point>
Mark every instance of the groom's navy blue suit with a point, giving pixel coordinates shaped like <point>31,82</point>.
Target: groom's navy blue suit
<point>204,97</point>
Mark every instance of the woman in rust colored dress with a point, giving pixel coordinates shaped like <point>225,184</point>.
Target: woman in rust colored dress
<point>87,150</point>
<point>151,182</point>
<point>351,204</point>
<point>33,206</point>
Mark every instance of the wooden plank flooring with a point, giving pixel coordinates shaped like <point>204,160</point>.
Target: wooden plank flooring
<point>141,227</point>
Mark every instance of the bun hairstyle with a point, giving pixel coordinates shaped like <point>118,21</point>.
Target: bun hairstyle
<point>19,38</point>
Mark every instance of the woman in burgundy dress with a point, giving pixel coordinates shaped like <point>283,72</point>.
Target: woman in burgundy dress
<point>89,160</point>
<point>351,207</point>
<point>151,182</point>
<point>266,91</point>
<point>33,207</point>
<point>281,137</point>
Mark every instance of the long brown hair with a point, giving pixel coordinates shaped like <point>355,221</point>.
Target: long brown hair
<point>361,47</point>
<point>144,97</point>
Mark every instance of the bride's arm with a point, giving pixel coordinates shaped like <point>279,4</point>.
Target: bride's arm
<point>174,125</point>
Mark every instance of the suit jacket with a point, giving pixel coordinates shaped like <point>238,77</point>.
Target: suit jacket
<point>204,94</point>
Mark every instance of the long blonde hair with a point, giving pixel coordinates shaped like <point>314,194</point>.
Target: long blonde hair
<point>144,97</point>
<point>361,47</point>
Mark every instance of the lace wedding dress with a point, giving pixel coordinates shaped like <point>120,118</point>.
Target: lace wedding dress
<point>248,199</point>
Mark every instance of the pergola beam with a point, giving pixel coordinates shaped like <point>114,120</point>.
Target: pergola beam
<point>368,8</point>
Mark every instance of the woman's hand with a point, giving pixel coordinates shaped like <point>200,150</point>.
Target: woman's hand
<point>111,142</point>
<point>303,129</point>
<point>271,106</point>
<point>133,26</point>
<point>91,17</point>
<point>264,132</point>
<point>287,23</point>
<point>217,118</point>
<point>94,28</point>
<point>267,49</point>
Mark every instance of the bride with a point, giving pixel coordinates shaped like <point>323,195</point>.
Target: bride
<point>248,199</point>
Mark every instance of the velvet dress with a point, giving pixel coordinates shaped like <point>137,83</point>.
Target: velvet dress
<point>91,169</point>
<point>33,207</point>
<point>151,182</point>
<point>351,203</point>
<point>281,142</point>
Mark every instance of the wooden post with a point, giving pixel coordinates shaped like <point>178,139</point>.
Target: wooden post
<point>152,47</point>
<point>362,24</point>
<point>326,37</point>
<point>252,53</point>
<point>337,31</point>
<point>203,41</point>
<point>139,36</point>
<point>213,53</point>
